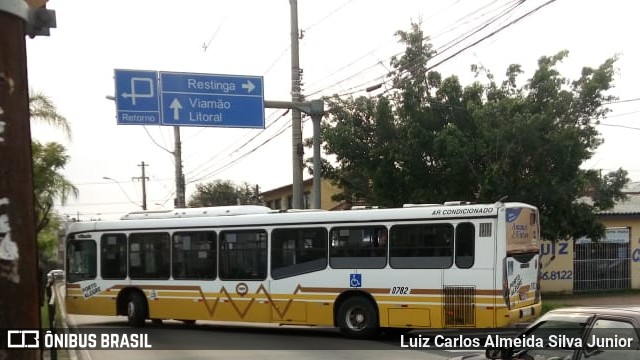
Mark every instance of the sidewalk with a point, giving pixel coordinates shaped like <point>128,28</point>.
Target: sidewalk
<point>62,322</point>
<point>631,297</point>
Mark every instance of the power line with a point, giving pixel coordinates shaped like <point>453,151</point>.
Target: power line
<point>205,46</point>
<point>622,101</point>
<point>493,33</point>
<point>233,162</point>
<point>210,172</point>
<point>156,143</point>
<point>288,47</point>
<point>439,52</point>
<point>196,172</point>
<point>623,114</point>
<point>620,126</point>
<point>325,17</point>
<point>199,174</point>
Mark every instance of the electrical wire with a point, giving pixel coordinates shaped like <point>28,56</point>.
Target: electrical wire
<point>492,20</point>
<point>456,53</point>
<point>393,38</point>
<point>197,171</point>
<point>211,172</point>
<point>208,172</point>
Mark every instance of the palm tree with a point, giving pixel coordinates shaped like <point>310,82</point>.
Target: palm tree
<point>48,160</point>
<point>41,108</point>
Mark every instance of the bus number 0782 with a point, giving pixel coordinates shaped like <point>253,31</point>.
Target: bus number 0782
<point>399,290</point>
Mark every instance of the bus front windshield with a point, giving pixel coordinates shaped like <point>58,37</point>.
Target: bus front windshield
<point>81,260</point>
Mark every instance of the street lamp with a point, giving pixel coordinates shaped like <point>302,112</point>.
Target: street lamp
<point>123,191</point>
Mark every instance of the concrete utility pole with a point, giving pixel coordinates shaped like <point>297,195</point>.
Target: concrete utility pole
<point>144,179</point>
<point>296,118</point>
<point>19,280</point>
<point>180,201</point>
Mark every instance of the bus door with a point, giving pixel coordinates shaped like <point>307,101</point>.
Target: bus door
<point>467,278</point>
<point>243,274</point>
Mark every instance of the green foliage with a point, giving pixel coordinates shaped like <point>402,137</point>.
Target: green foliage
<point>48,238</point>
<point>430,140</point>
<point>223,192</point>
<point>49,184</point>
<point>41,108</point>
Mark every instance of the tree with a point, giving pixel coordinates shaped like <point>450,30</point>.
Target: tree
<point>49,183</point>
<point>431,140</point>
<point>42,109</point>
<point>223,192</point>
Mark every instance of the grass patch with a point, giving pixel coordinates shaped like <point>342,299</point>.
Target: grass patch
<point>590,294</point>
<point>44,315</point>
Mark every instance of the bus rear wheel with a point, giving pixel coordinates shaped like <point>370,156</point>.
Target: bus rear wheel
<point>136,310</point>
<point>357,318</point>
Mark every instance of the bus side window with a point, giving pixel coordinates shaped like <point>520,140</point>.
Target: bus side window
<point>421,246</point>
<point>243,255</point>
<point>298,251</point>
<point>358,247</point>
<point>113,256</point>
<point>465,245</point>
<point>194,255</point>
<point>149,255</point>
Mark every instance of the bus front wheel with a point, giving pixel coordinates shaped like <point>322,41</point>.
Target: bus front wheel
<point>357,318</point>
<point>136,310</point>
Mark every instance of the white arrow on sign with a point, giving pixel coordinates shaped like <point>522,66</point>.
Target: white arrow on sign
<point>249,86</point>
<point>176,106</point>
<point>133,95</point>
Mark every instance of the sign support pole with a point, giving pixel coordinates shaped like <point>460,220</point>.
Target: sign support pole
<point>315,109</point>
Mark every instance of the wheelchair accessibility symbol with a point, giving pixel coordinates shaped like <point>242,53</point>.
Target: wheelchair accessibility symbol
<point>355,280</point>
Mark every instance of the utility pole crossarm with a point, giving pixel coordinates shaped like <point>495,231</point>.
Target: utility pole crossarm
<point>314,107</point>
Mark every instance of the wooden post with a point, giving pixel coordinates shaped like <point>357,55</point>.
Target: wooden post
<point>19,273</point>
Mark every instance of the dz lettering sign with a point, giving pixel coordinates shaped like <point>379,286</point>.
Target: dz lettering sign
<point>186,99</point>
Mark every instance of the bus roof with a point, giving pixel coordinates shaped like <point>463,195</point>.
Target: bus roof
<point>275,217</point>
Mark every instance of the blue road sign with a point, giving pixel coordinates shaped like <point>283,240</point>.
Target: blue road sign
<point>188,99</point>
<point>137,97</point>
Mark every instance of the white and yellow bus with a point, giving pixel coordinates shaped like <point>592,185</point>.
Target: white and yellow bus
<point>421,266</point>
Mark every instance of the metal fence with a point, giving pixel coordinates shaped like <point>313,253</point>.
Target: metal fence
<point>601,266</point>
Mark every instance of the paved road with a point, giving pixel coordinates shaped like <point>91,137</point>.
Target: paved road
<point>209,340</point>
<point>216,340</point>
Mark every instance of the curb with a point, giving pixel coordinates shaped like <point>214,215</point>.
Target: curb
<point>67,323</point>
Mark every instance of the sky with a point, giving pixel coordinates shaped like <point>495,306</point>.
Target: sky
<point>346,47</point>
